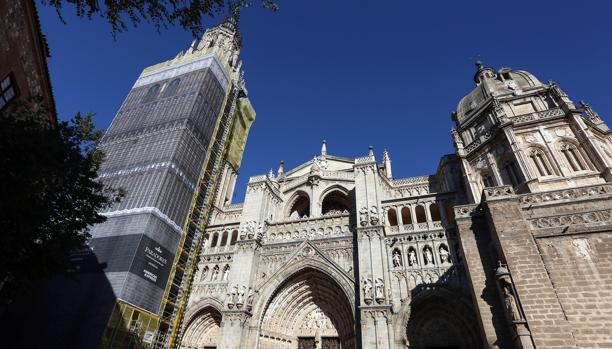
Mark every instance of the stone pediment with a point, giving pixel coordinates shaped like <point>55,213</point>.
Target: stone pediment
<point>321,163</point>
<point>307,254</point>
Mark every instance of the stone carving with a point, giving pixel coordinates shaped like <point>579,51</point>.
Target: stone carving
<point>240,297</point>
<point>397,258</point>
<point>428,256</point>
<point>363,216</point>
<point>215,273</point>
<point>232,297</point>
<point>367,290</point>
<point>379,291</point>
<point>204,274</point>
<point>567,194</point>
<point>248,230</point>
<point>226,272</point>
<point>506,287</point>
<point>571,219</point>
<point>499,192</point>
<point>374,215</point>
<point>444,255</point>
<point>412,258</point>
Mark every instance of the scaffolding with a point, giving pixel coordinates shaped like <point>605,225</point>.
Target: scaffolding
<point>179,285</point>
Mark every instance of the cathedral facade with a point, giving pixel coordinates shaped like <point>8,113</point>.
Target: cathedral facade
<point>507,245</point>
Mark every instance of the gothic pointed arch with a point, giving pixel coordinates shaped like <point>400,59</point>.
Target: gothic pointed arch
<point>438,318</point>
<point>203,325</point>
<point>335,199</point>
<point>309,292</point>
<point>299,205</point>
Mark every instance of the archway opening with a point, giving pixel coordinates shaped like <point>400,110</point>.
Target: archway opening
<point>203,330</point>
<point>437,322</point>
<point>336,202</point>
<point>300,207</point>
<point>309,310</point>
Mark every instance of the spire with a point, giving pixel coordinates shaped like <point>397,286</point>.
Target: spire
<point>482,72</point>
<point>387,164</point>
<point>324,148</point>
<point>281,169</point>
<point>370,151</point>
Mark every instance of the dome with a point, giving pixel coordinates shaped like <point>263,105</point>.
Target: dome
<point>505,82</point>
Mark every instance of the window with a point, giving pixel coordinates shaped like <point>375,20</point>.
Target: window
<point>488,181</point>
<point>392,216</point>
<point>572,157</point>
<point>406,216</point>
<point>420,214</point>
<point>7,91</point>
<point>434,212</point>
<point>512,173</point>
<point>540,162</point>
<point>172,88</point>
<point>151,94</point>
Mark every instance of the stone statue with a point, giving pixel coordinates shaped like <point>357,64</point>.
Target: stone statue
<point>397,259</point>
<point>367,288</point>
<point>444,255</point>
<point>412,259</point>
<point>215,274</point>
<point>373,215</point>
<point>380,289</point>
<point>249,298</point>
<point>225,273</point>
<point>241,295</point>
<point>204,274</point>
<point>428,256</point>
<point>363,216</point>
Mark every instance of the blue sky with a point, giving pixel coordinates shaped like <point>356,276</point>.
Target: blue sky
<point>357,73</point>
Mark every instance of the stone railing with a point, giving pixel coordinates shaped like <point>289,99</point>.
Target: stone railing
<point>558,196</point>
<point>219,249</point>
<point>364,160</point>
<point>412,180</point>
<point>418,227</point>
<point>594,217</point>
<point>537,116</point>
<point>314,228</point>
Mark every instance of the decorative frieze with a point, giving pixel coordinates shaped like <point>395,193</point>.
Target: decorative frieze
<point>604,216</point>
<point>591,192</point>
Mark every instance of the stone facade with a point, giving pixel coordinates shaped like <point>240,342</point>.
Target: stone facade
<point>508,245</point>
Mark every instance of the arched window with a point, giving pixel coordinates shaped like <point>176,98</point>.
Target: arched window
<point>512,173</point>
<point>151,94</point>
<point>392,216</point>
<point>448,209</point>
<point>223,239</point>
<point>487,180</point>
<point>540,162</point>
<point>172,88</point>
<point>215,237</point>
<point>573,157</point>
<point>300,207</point>
<point>234,237</point>
<point>420,214</point>
<point>335,202</point>
<point>406,216</point>
<point>434,212</point>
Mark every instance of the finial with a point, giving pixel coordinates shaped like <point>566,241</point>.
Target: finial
<point>479,64</point>
<point>281,169</point>
<point>324,148</point>
<point>371,151</point>
<point>271,174</point>
<point>386,155</point>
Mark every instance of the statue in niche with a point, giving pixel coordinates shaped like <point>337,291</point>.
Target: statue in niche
<point>225,273</point>
<point>215,273</point>
<point>507,291</point>
<point>367,288</point>
<point>428,255</point>
<point>397,259</point>
<point>373,215</point>
<point>363,216</point>
<point>204,274</point>
<point>241,294</point>
<point>232,297</point>
<point>249,298</point>
<point>379,289</point>
<point>412,259</point>
<point>444,255</point>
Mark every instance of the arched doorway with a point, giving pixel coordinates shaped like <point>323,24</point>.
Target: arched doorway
<point>439,322</point>
<point>309,310</point>
<point>203,330</point>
